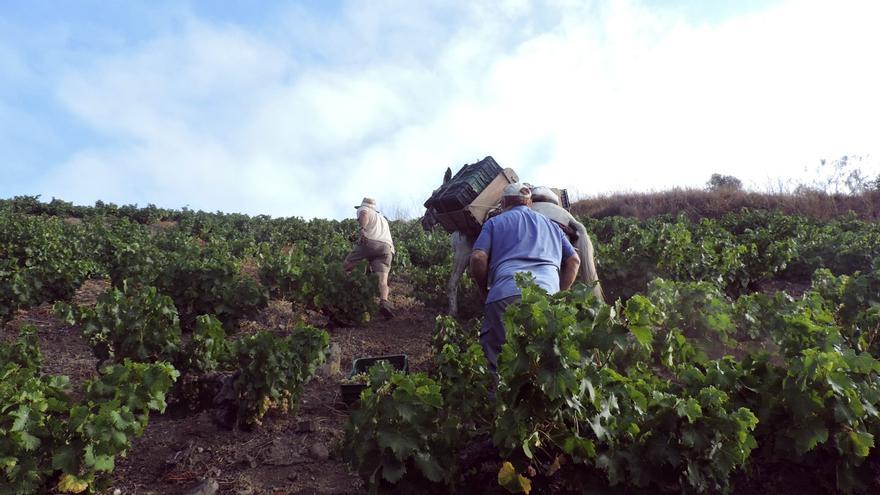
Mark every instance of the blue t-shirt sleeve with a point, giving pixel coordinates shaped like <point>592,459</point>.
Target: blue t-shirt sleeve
<point>567,248</point>
<point>484,240</point>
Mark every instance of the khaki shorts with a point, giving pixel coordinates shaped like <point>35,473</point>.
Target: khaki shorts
<point>376,252</point>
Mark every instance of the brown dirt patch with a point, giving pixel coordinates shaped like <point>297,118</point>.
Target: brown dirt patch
<point>281,314</point>
<point>178,450</point>
<point>90,290</point>
<point>175,453</point>
<point>162,226</point>
<point>794,288</point>
<point>250,268</point>
<point>64,350</point>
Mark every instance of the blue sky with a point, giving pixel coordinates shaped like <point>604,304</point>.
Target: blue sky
<point>302,108</point>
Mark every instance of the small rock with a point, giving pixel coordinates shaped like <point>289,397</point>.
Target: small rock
<point>306,426</point>
<point>331,369</point>
<point>292,477</point>
<point>117,491</point>
<point>319,451</point>
<point>200,449</point>
<point>246,459</point>
<point>206,487</point>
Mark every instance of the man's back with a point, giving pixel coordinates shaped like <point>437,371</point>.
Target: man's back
<point>520,240</point>
<point>374,226</point>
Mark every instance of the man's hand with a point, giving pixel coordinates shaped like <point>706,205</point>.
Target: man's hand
<point>569,271</point>
<point>480,271</point>
<point>569,232</point>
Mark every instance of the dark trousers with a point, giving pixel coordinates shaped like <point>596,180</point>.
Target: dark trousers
<point>492,335</point>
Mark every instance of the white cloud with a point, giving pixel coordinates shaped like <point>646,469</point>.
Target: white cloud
<point>595,97</point>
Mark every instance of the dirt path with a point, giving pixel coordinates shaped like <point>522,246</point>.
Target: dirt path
<point>291,454</point>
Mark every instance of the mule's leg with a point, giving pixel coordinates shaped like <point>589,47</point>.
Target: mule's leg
<point>459,264</point>
<point>461,250</point>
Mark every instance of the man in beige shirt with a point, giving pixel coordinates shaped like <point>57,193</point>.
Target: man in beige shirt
<point>375,246</point>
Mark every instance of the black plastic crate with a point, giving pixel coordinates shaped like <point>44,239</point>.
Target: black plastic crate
<point>565,200</point>
<point>352,392</point>
<point>478,174</point>
<point>363,364</point>
<point>456,197</point>
<point>466,185</point>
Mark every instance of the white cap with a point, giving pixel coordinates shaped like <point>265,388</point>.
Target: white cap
<point>517,190</point>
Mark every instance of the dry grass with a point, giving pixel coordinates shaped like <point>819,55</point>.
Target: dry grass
<point>698,203</point>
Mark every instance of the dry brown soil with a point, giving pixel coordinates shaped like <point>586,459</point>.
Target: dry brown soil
<point>288,454</point>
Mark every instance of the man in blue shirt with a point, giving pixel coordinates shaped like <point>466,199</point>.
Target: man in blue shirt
<point>518,240</point>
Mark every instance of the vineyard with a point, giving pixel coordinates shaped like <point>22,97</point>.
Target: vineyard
<point>150,350</point>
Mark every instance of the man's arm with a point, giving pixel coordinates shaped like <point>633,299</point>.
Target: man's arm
<point>575,231</point>
<point>480,270</point>
<point>570,262</point>
<point>569,271</point>
<point>363,219</point>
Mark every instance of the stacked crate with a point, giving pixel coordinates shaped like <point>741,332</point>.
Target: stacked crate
<point>466,185</point>
<point>464,203</point>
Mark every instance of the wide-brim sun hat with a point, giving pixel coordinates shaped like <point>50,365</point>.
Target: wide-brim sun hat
<point>368,203</point>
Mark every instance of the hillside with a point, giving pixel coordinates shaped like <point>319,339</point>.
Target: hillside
<point>154,351</point>
<point>700,203</point>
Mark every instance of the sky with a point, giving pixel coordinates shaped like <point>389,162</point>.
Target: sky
<point>303,108</point>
